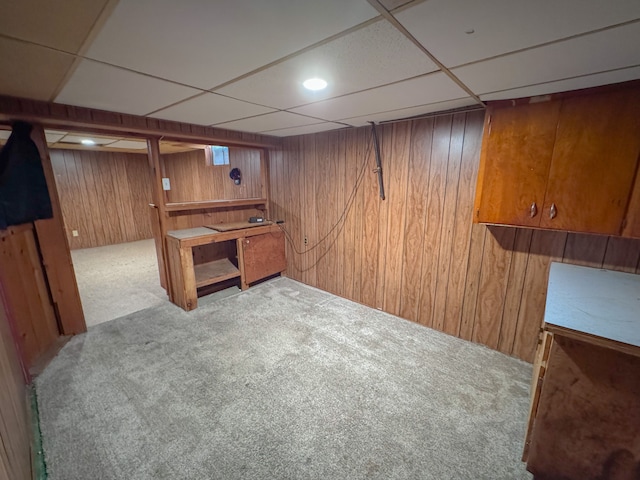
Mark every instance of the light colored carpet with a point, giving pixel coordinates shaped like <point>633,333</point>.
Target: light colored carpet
<point>116,280</point>
<point>281,381</point>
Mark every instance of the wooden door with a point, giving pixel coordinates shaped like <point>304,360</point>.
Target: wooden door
<point>514,164</point>
<point>262,256</point>
<point>594,162</point>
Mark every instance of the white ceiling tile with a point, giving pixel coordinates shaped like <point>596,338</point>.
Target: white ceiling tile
<point>270,121</point>
<point>95,85</point>
<point>431,88</point>
<point>53,136</point>
<point>60,24</point>
<point>607,50</point>
<point>129,144</point>
<point>315,128</point>
<point>5,134</point>
<point>577,83</point>
<point>79,138</point>
<point>369,57</point>
<point>31,71</point>
<point>502,26</point>
<point>209,109</point>
<point>204,43</point>
<point>393,4</point>
<point>410,112</point>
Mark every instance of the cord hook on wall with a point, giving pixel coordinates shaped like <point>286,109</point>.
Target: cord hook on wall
<point>378,168</point>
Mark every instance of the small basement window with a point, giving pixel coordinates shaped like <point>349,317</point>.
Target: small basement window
<point>220,155</point>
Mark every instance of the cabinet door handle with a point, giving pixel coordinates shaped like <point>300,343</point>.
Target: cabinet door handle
<point>553,211</point>
<point>533,211</point>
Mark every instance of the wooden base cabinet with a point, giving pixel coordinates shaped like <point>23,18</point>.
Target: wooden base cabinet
<point>587,425</point>
<point>200,257</point>
<point>584,422</point>
<point>567,163</point>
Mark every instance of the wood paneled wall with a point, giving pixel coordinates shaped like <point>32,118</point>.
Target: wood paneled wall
<point>417,254</point>
<point>26,292</point>
<point>15,439</point>
<point>105,196</point>
<point>192,180</point>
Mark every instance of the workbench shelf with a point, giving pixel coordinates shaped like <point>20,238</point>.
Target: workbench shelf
<point>215,204</point>
<point>215,272</point>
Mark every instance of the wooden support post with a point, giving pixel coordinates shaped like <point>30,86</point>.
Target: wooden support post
<point>264,179</point>
<point>183,280</point>
<point>160,229</point>
<point>56,256</point>
<point>240,250</point>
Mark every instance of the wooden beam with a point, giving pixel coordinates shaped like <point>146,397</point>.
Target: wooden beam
<point>67,117</point>
<point>264,180</point>
<point>160,229</point>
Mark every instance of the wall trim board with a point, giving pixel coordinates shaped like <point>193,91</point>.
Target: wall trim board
<point>418,254</point>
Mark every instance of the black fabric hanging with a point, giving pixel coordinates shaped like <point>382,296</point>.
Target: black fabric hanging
<point>24,196</point>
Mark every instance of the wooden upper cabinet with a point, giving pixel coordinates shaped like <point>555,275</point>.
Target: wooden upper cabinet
<point>516,155</point>
<point>564,164</point>
<point>594,163</point>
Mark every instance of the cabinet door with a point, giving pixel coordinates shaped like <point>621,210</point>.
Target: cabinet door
<point>594,162</point>
<point>588,415</point>
<point>514,164</point>
<point>263,255</point>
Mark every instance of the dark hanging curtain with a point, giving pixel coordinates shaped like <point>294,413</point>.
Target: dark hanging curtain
<point>24,196</point>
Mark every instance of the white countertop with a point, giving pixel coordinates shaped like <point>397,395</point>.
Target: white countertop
<point>191,233</point>
<point>594,301</point>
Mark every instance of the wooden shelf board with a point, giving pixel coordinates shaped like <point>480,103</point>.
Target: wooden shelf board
<point>214,272</point>
<point>212,204</point>
<point>228,227</point>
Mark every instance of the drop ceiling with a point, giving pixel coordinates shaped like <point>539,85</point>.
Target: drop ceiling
<point>239,64</point>
<point>57,139</point>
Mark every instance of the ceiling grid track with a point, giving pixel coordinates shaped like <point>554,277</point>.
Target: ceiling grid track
<point>238,66</point>
<point>394,21</point>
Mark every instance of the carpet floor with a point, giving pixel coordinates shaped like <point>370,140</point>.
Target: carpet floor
<point>117,280</point>
<point>282,381</point>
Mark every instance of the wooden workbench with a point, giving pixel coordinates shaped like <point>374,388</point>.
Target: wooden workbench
<point>585,410</point>
<point>201,256</point>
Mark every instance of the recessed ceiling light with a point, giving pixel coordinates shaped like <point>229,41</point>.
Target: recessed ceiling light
<point>87,141</point>
<point>315,84</point>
